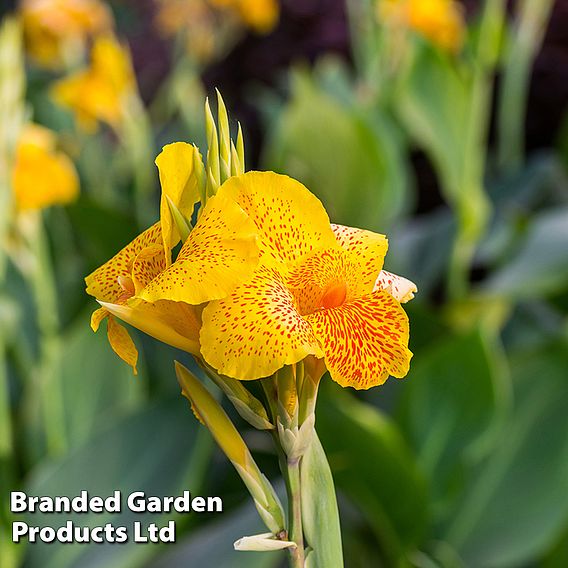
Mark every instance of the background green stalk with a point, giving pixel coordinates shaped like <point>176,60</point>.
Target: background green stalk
<point>48,376</point>
<point>295,530</point>
<point>473,206</point>
<point>524,44</point>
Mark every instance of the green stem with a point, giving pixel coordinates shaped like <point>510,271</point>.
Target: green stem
<point>473,205</point>
<point>525,42</point>
<point>295,531</point>
<point>48,374</point>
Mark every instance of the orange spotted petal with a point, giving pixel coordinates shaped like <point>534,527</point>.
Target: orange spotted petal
<point>174,323</point>
<point>219,254</point>
<point>398,287</point>
<point>148,264</point>
<point>122,343</point>
<point>367,251</point>
<point>257,330</point>
<point>104,283</point>
<point>179,183</point>
<point>364,341</point>
<point>291,221</point>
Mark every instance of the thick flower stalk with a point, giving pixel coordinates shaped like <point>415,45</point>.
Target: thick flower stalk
<point>263,288</point>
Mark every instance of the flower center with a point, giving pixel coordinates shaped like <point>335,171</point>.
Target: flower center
<point>334,296</point>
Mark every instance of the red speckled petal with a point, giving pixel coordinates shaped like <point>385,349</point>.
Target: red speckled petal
<point>398,287</point>
<point>147,265</point>
<point>257,330</point>
<point>316,273</point>
<point>219,254</point>
<point>291,222</point>
<point>367,251</point>
<point>364,341</point>
<point>122,343</point>
<point>103,283</point>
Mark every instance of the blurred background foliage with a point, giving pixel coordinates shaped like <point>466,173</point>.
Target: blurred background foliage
<point>441,124</point>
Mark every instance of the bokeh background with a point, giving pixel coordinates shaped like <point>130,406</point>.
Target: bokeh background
<point>439,123</point>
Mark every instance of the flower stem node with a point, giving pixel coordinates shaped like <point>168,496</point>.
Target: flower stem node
<point>262,543</point>
<point>296,441</point>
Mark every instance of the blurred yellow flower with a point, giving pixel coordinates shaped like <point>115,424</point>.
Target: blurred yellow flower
<point>209,25</point>
<point>140,284</point>
<point>439,21</point>
<point>102,91</point>
<point>42,176</point>
<point>56,29</point>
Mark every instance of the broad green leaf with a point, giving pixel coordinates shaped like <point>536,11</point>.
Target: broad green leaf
<point>98,388</point>
<point>351,161</point>
<point>452,405</point>
<point>212,545</point>
<point>517,505</point>
<point>540,266</point>
<point>157,451</point>
<point>373,466</point>
<point>320,515</point>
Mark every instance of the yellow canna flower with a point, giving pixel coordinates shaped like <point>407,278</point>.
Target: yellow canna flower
<point>55,29</point>
<point>102,91</point>
<point>317,291</point>
<point>219,253</point>
<point>42,176</point>
<point>209,25</point>
<point>439,21</point>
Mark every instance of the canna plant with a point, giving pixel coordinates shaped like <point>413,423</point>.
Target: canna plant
<point>264,288</point>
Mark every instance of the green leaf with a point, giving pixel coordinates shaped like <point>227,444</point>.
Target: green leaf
<point>156,451</point>
<point>320,515</point>
<point>540,267</point>
<point>517,505</point>
<point>372,465</point>
<point>451,409</point>
<point>350,160</point>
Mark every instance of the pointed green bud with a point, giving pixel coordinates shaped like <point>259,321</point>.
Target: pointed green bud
<point>213,165</point>
<point>200,174</point>
<point>236,169</point>
<point>241,147</point>
<point>182,224</point>
<point>224,133</point>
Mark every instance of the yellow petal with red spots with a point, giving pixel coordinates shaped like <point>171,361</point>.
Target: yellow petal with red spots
<point>122,343</point>
<point>179,183</point>
<point>219,254</point>
<point>367,251</point>
<point>364,341</point>
<point>174,323</point>
<point>290,220</point>
<point>398,287</point>
<point>104,283</point>
<point>257,330</point>
<point>149,262</point>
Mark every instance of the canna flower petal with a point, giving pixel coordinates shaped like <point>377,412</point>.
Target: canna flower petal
<point>400,288</point>
<point>107,283</point>
<point>367,250</point>
<point>122,343</point>
<point>174,323</point>
<point>257,330</point>
<point>220,253</point>
<point>179,184</point>
<point>290,221</point>
<point>42,176</point>
<point>364,341</point>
